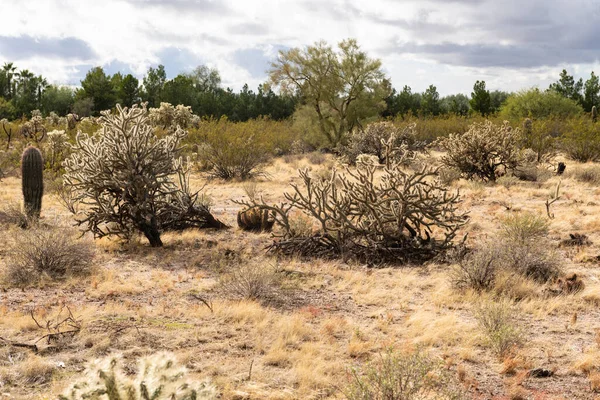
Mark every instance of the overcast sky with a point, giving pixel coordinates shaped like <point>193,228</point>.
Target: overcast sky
<point>511,44</point>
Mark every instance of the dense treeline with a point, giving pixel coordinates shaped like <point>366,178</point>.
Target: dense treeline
<point>328,91</point>
<point>21,92</point>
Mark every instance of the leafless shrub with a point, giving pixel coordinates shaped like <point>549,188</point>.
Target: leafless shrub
<point>402,376</point>
<point>250,280</point>
<point>587,175</point>
<point>51,253</point>
<point>524,227</point>
<point>498,323</point>
<point>477,269</point>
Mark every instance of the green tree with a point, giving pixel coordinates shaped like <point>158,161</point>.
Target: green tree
<point>25,92</point>
<point>591,93</point>
<point>99,87</point>
<point>567,87</point>
<point>536,104</point>
<point>128,91</point>
<point>59,99</point>
<point>343,87</point>
<point>430,104</point>
<point>206,79</point>
<point>7,110</point>
<point>480,98</point>
<point>180,90</point>
<point>457,104</point>
<point>8,71</point>
<point>497,99</point>
<point>154,82</point>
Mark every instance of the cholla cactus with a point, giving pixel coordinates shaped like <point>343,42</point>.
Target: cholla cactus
<point>367,159</point>
<point>171,117</point>
<point>482,151</point>
<point>56,146</point>
<point>53,119</point>
<point>125,172</point>
<point>159,377</point>
<point>71,121</point>
<point>375,139</point>
<point>34,128</point>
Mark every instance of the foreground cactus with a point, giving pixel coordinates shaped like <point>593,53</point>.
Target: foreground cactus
<point>159,377</point>
<point>32,166</point>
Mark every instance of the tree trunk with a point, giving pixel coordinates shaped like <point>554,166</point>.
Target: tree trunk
<point>153,236</point>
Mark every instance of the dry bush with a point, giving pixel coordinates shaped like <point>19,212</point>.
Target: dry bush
<point>498,323</point>
<point>485,151</point>
<point>524,227</point>
<point>587,175</point>
<point>540,136</point>
<point>477,269</point>
<point>240,149</point>
<point>159,376</point>
<point>52,253</point>
<point>250,280</point>
<point>401,216</point>
<point>12,214</point>
<point>402,376</point>
<point>581,140</point>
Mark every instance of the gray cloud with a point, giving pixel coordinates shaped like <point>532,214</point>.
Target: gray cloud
<point>211,6</point>
<point>253,60</point>
<point>178,60</point>
<point>24,47</point>
<point>248,28</point>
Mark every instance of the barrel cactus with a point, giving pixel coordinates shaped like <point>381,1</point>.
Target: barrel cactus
<point>32,166</point>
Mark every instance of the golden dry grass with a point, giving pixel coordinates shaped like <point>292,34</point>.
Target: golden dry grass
<point>327,317</point>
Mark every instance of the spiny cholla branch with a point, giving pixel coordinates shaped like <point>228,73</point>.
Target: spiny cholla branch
<point>123,177</point>
<point>402,216</point>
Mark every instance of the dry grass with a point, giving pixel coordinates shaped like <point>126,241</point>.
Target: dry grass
<point>326,317</point>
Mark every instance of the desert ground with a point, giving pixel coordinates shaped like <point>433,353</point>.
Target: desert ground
<point>315,321</point>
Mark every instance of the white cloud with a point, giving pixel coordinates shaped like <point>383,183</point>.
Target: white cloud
<point>510,44</point>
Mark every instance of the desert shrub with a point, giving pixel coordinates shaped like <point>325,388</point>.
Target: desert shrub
<point>240,149</point>
<point>124,174</point>
<point>250,280</point>
<point>587,175</point>
<point>484,151</point>
<point>375,137</point>
<point>581,140</point>
<point>531,172</point>
<point>508,181</point>
<point>448,176</point>
<point>159,377</point>
<point>537,104</point>
<point>477,269</point>
<point>397,217</point>
<point>46,253</point>
<point>540,136</point>
<point>534,259</point>
<point>498,323</point>
<point>316,157</point>
<point>427,130</point>
<point>402,376</point>
<point>523,227</point>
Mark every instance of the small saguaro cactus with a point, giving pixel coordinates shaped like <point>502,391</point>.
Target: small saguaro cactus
<point>594,114</point>
<point>32,166</point>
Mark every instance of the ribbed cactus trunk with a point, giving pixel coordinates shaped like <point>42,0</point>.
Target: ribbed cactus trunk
<point>32,166</point>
